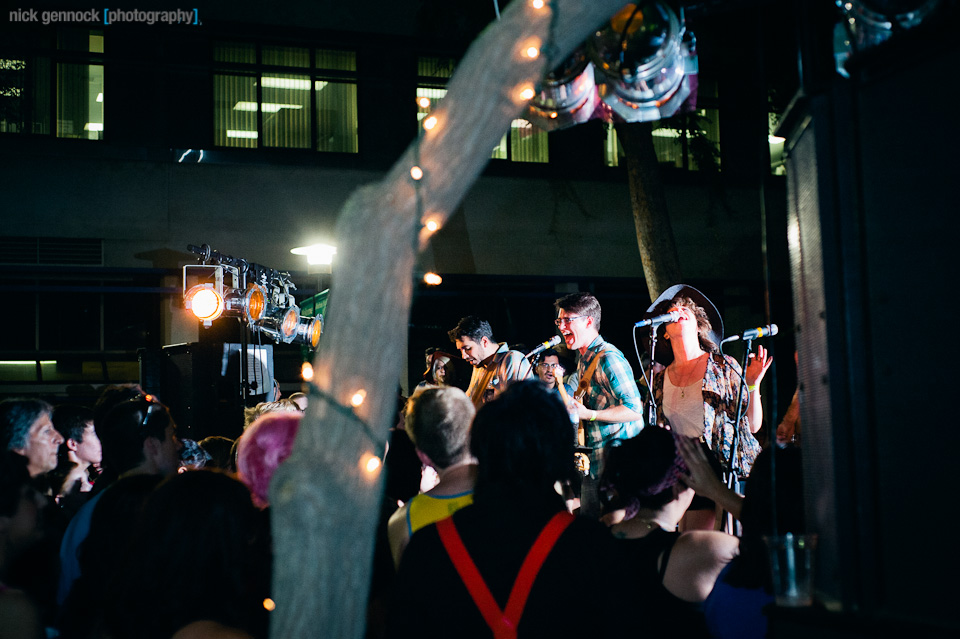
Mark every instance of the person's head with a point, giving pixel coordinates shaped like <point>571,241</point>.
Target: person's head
<point>578,319</point>
<point>690,311</point>
<point>262,448</point>
<point>474,339</point>
<point>438,423</point>
<point>112,395</point>
<point>522,440</point>
<point>548,368</point>
<point>251,414</point>
<point>139,434</point>
<point>75,423</point>
<point>220,451</point>
<point>26,428</point>
<point>300,399</point>
<point>646,469</point>
<point>199,545</point>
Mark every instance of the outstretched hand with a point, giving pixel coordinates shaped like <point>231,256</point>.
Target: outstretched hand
<point>701,476</point>
<point>757,366</point>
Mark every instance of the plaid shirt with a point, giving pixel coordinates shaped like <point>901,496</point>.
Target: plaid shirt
<point>612,384</point>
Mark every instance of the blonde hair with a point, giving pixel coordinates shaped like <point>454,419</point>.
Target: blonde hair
<point>279,406</point>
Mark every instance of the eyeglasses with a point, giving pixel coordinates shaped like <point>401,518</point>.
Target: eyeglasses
<point>560,321</point>
<point>548,366</point>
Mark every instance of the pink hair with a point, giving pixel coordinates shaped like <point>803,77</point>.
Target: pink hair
<point>264,445</point>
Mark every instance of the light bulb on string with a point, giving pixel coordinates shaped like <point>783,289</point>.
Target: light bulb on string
<point>430,122</point>
<point>357,400</point>
<point>416,173</point>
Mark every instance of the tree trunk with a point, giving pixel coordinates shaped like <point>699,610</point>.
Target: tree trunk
<point>325,505</point>
<point>658,251</point>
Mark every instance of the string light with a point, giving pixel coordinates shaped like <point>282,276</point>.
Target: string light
<point>423,102</point>
<point>530,48</point>
<point>269,604</point>
<point>432,225</point>
<point>416,172</point>
<point>369,462</point>
<point>306,371</point>
<point>524,92</point>
<point>358,398</point>
<point>430,122</point>
<point>538,4</point>
<point>432,279</point>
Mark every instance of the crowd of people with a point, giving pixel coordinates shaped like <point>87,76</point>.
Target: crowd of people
<point>511,486</point>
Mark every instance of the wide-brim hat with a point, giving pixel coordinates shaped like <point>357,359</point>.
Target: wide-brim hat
<point>662,304</point>
<point>434,356</point>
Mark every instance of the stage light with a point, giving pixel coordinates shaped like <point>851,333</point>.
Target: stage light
<point>568,95</point>
<point>205,302</point>
<point>641,63</point>
<point>247,304</point>
<point>309,330</point>
<point>279,323</point>
<point>872,22</point>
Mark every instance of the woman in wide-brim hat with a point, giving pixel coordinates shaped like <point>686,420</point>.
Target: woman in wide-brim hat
<point>696,394</point>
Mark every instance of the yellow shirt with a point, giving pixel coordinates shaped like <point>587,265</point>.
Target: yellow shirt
<point>425,509</point>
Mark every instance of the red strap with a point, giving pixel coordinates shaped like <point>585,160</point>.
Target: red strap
<point>503,623</point>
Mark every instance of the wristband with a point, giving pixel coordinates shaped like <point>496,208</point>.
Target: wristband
<point>593,417</point>
<point>751,388</point>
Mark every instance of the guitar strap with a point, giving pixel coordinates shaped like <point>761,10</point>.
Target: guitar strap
<point>587,376</point>
<point>504,622</point>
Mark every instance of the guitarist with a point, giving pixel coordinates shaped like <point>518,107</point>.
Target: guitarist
<point>603,388</point>
<point>494,365</point>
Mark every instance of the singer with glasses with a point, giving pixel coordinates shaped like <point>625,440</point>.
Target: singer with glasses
<point>603,389</point>
<point>696,394</point>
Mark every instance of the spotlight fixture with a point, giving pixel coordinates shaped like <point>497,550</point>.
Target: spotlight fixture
<point>875,21</point>
<point>568,95</point>
<point>641,62</point>
<point>280,323</point>
<point>205,302</point>
<point>247,304</point>
<point>308,331</point>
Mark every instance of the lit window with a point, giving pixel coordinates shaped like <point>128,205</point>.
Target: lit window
<point>683,141</point>
<point>54,85</point>
<point>282,102</point>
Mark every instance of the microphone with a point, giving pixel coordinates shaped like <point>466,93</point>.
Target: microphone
<point>755,333</point>
<point>550,343</point>
<point>666,318</point>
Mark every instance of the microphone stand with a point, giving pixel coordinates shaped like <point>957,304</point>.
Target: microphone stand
<point>733,474</point>
<point>651,402</point>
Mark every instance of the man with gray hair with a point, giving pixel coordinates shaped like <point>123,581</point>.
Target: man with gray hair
<point>26,428</point>
<point>438,423</point>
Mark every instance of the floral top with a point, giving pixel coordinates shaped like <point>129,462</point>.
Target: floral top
<point>721,381</point>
